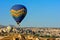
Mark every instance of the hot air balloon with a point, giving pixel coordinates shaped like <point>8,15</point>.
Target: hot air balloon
<point>18,12</point>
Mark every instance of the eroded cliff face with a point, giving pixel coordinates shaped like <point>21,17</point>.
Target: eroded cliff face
<point>16,36</point>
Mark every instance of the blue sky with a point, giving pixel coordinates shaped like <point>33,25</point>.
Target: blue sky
<point>40,13</point>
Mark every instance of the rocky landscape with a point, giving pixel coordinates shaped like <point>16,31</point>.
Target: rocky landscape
<point>27,33</point>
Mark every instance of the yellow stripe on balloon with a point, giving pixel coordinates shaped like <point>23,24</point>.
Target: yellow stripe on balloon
<point>13,11</point>
<point>17,13</point>
<point>21,10</point>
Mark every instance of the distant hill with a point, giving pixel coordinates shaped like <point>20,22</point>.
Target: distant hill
<point>2,26</point>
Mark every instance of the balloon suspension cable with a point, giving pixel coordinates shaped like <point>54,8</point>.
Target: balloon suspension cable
<point>18,24</point>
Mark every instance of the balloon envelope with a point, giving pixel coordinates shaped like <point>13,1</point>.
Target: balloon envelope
<point>18,12</point>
